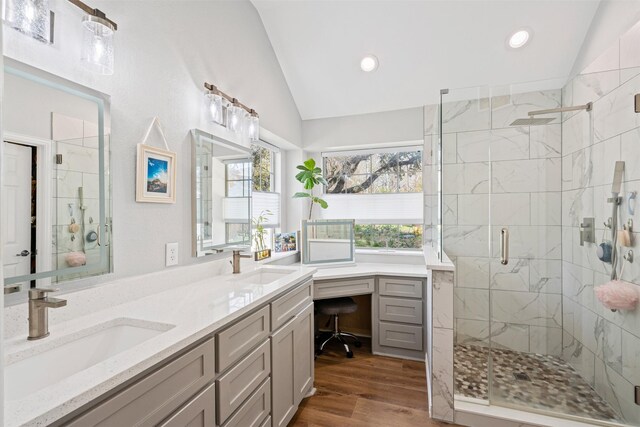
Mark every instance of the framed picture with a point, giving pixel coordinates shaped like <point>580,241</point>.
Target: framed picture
<point>285,242</point>
<point>156,175</point>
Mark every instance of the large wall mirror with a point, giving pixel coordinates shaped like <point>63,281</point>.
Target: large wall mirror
<point>56,204</point>
<point>221,194</point>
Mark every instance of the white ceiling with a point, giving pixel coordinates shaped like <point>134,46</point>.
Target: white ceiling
<point>422,45</point>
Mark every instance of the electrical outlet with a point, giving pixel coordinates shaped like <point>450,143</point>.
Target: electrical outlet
<point>171,254</point>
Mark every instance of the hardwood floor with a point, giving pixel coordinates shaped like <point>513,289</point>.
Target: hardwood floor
<point>367,390</point>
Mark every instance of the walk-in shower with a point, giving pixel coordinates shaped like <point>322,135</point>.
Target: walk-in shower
<point>516,189</point>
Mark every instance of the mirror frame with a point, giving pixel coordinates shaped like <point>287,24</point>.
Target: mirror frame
<point>101,100</point>
<point>228,139</point>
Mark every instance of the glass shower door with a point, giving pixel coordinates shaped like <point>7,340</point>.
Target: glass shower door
<point>502,221</point>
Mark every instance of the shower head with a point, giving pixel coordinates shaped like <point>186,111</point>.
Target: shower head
<point>617,178</point>
<point>532,121</point>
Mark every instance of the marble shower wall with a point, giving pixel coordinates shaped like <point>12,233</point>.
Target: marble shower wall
<point>78,143</point>
<point>495,176</point>
<point>603,346</point>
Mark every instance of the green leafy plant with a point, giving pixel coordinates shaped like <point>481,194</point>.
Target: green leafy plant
<point>260,232</point>
<point>310,175</point>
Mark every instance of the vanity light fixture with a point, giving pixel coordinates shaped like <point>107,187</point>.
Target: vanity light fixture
<point>519,38</point>
<point>97,39</point>
<point>30,17</point>
<point>238,118</point>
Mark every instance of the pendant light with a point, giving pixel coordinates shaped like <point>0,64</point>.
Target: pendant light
<point>30,17</point>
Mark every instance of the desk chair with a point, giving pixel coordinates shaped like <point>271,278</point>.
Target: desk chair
<point>334,307</point>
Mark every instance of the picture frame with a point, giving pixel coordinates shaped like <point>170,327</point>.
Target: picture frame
<point>156,173</point>
<point>285,242</point>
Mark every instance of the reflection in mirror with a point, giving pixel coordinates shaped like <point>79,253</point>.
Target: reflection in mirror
<point>55,198</point>
<point>221,194</point>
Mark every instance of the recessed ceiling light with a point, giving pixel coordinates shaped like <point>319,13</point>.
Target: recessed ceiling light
<point>369,63</point>
<point>519,38</point>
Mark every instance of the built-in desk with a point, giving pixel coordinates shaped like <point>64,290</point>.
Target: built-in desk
<point>398,297</point>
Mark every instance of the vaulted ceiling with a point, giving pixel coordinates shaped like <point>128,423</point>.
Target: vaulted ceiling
<point>422,46</point>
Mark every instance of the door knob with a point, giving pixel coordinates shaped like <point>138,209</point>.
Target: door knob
<point>24,253</point>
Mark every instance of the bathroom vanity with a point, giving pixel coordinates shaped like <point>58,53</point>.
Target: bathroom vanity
<point>237,351</point>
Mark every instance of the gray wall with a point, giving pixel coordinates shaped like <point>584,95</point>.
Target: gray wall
<point>612,19</point>
<point>162,60</point>
<point>363,130</point>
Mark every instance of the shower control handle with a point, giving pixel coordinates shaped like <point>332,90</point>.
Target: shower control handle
<point>504,246</point>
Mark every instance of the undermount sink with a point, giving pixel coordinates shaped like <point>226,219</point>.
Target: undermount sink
<point>262,276</point>
<point>69,355</point>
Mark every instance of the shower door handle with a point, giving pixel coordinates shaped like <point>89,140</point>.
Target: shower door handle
<point>504,246</point>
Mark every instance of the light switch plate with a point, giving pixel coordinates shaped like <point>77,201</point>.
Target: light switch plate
<point>171,254</point>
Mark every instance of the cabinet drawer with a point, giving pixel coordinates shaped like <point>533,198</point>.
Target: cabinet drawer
<point>267,422</point>
<point>241,380</point>
<point>339,288</point>
<point>253,412</point>
<point>199,412</point>
<point>400,336</point>
<point>156,396</point>
<point>400,310</point>
<point>236,341</point>
<point>396,287</point>
<point>287,306</point>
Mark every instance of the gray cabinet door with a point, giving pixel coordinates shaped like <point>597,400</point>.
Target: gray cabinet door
<point>239,338</point>
<point>235,386</point>
<point>290,304</point>
<point>255,410</point>
<point>400,287</point>
<point>199,412</point>
<point>156,396</point>
<point>283,354</point>
<point>291,366</point>
<point>400,310</point>
<point>303,363</point>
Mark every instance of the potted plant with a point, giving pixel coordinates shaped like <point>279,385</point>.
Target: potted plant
<point>310,175</point>
<point>262,252</point>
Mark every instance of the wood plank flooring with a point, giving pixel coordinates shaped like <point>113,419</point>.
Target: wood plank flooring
<point>364,391</point>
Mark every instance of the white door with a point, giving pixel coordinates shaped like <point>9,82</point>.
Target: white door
<point>16,210</point>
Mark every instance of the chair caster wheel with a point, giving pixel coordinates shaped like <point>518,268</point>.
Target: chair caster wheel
<point>358,344</point>
<point>350,354</point>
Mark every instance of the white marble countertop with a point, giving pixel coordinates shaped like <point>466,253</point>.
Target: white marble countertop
<point>361,269</point>
<point>194,310</point>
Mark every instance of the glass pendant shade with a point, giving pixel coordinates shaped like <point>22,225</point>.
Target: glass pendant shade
<point>216,113</point>
<point>235,119</point>
<point>31,17</point>
<point>97,45</point>
<point>253,127</point>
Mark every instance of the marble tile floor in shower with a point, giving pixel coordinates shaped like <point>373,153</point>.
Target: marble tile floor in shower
<point>532,380</point>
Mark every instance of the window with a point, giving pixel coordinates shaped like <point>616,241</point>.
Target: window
<point>381,172</point>
<point>390,236</point>
<point>263,168</point>
<point>382,191</point>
